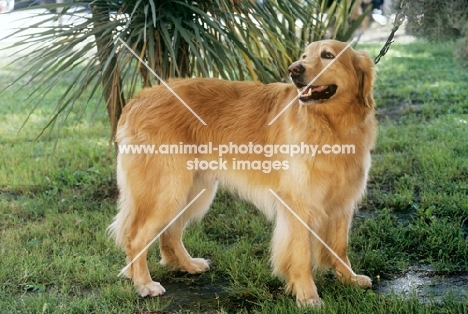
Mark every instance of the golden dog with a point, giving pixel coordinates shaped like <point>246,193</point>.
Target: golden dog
<point>337,109</point>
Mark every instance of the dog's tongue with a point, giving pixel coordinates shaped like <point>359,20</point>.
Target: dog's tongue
<point>319,88</point>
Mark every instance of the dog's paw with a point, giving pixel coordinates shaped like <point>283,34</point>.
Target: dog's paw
<point>196,265</point>
<point>316,303</point>
<point>361,281</point>
<point>151,289</point>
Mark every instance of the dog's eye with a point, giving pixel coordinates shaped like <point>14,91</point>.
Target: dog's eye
<point>327,55</point>
<point>304,56</point>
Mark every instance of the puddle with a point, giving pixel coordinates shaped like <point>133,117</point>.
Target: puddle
<point>427,284</point>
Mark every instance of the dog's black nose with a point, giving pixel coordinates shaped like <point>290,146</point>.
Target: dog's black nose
<point>296,69</point>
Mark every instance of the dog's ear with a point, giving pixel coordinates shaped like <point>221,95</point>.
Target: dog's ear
<point>364,66</point>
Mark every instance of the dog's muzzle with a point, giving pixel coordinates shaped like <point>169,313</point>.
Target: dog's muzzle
<point>311,93</point>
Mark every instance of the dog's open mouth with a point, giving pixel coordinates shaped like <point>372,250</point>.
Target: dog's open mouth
<point>321,92</point>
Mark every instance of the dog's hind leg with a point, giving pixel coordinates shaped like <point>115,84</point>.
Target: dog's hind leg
<point>173,252</point>
<point>157,197</point>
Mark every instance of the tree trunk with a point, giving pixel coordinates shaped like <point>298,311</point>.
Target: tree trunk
<point>110,79</point>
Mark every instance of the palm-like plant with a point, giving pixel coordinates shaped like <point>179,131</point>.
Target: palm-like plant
<point>213,38</point>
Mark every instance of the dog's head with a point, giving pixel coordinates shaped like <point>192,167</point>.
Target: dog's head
<point>333,71</point>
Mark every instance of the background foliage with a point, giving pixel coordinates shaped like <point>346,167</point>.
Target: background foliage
<point>439,21</point>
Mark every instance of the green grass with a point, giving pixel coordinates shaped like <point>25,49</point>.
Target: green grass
<point>57,197</point>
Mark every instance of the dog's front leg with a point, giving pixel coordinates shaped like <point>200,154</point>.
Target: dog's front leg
<point>292,257</point>
<point>339,224</point>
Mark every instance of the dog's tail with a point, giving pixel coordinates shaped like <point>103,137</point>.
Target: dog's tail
<point>118,229</point>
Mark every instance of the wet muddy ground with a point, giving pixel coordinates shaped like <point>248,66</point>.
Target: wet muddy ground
<point>202,295</point>
<point>429,286</point>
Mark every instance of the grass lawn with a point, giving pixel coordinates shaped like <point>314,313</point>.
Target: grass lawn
<point>58,195</point>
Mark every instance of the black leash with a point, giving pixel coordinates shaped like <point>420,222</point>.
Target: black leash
<point>399,19</point>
